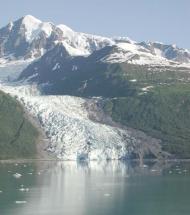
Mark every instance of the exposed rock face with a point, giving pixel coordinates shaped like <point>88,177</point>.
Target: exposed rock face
<point>170,52</point>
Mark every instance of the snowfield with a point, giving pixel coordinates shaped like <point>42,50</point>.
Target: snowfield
<point>33,28</point>
<point>137,54</point>
<point>71,133</point>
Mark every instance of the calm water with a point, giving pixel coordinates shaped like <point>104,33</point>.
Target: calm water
<point>58,188</point>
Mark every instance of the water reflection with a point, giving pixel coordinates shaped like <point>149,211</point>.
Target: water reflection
<point>76,188</point>
<point>95,188</point>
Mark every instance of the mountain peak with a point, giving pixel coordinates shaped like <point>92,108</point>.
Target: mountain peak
<point>33,27</point>
<point>29,19</point>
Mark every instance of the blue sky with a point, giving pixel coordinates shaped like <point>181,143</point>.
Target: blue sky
<point>142,20</point>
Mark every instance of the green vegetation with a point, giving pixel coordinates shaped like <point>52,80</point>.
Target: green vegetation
<point>114,80</point>
<point>163,113</point>
<point>94,80</point>
<point>17,135</point>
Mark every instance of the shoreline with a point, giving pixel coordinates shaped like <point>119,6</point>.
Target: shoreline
<point>88,161</point>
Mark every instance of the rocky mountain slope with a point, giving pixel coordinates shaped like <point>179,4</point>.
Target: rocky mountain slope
<point>29,37</point>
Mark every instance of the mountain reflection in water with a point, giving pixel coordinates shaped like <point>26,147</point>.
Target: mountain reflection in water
<point>93,188</point>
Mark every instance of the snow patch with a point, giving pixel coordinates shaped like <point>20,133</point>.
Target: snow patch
<point>57,66</point>
<point>74,68</point>
<point>34,27</point>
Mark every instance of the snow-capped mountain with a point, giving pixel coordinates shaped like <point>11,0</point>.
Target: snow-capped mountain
<point>30,38</point>
<point>45,53</point>
<point>126,50</point>
<point>134,54</point>
<point>27,37</point>
<point>170,52</point>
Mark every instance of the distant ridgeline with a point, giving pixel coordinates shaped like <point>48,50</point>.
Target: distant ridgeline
<point>17,135</point>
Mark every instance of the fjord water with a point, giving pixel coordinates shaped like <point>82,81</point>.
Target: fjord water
<point>58,188</point>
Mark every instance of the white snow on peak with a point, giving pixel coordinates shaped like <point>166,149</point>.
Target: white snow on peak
<point>29,20</point>
<point>81,43</point>
<point>33,27</point>
<point>135,54</point>
<point>65,29</point>
<point>132,47</point>
<point>74,51</point>
<point>158,52</point>
<point>124,39</point>
<point>174,46</point>
<point>78,43</point>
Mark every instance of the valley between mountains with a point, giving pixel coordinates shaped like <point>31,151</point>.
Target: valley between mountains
<point>93,98</point>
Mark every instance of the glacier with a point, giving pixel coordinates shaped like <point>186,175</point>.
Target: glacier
<point>71,133</point>
<point>10,70</point>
